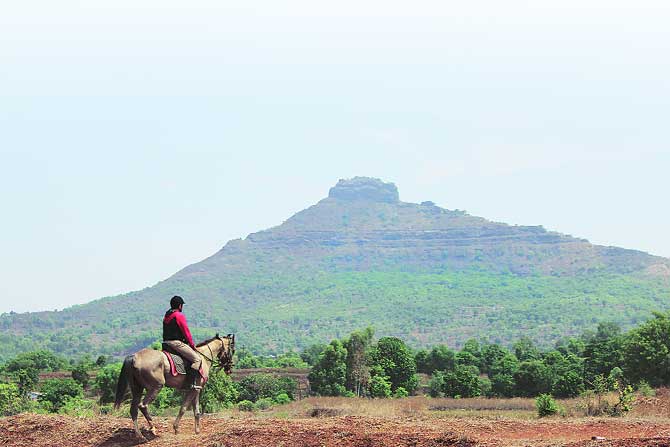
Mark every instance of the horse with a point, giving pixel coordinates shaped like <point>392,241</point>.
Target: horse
<point>150,369</point>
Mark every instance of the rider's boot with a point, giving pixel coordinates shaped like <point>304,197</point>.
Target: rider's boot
<point>193,379</point>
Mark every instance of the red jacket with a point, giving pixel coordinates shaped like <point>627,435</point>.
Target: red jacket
<point>176,328</point>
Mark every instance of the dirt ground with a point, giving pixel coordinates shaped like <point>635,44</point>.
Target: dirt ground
<point>105,431</point>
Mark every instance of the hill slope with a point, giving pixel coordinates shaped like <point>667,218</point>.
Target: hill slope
<point>360,257</point>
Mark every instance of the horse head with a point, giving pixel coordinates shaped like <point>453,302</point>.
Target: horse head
<point>225,355</point>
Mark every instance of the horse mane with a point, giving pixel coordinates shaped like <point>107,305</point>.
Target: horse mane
<point>203,343</point>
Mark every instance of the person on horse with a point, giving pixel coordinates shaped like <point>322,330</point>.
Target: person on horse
<point>177,338</point>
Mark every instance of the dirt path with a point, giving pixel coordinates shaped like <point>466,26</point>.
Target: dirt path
<point>63,431</point>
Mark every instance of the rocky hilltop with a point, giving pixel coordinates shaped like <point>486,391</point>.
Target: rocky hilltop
<point>361,256</point>
<point>363,225</point>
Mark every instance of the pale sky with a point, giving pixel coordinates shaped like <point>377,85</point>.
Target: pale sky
<point>137,137</point>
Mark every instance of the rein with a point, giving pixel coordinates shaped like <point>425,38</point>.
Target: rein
<point>216,361</point>
<point>211,360</point>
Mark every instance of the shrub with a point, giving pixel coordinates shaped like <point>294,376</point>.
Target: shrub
<point>380,387</point>
<point>56,391</point>
<point>80,374</point>
<point>220,392</point>
<point>625,402</point>
<point>39,360</point>
<point>258,386</point>
<point>569,384</point>
<point>546,405</point>
<point>167,398</point>
<point>105,382</point>
<point>11,400</point>
<point>400,392</point>
<point>502,385</point>
<point>436,384</point>
<point>77,406</point>
<point>282,399</point>
<point>645,389</point>
<point>245,405</point>
<point>264,403</point>
<point>463,381</point>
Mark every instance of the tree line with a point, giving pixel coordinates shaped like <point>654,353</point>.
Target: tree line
<point>358,366</point>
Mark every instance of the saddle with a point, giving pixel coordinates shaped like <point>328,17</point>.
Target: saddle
<point>178,366</point>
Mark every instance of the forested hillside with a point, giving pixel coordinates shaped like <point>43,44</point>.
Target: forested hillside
<point>362,257</point>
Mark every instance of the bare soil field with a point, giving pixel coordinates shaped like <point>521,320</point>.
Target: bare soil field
<point>341,422</point>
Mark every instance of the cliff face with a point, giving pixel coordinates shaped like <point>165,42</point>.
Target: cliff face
<point>363,225</point>
<point>362,257</point>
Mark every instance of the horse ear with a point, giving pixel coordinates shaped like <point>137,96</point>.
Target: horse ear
<point>217,335</point>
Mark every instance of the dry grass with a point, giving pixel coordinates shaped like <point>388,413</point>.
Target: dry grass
<point>480,403</point>
<point>408,408</point>
<point>429,408</point>
<point>345,406</point>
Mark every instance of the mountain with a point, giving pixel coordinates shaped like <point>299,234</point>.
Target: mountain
<point>362,257</point>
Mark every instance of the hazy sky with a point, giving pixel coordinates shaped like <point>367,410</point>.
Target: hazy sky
<point>137,137</point>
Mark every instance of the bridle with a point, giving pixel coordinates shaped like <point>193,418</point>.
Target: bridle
<point>216,361</point>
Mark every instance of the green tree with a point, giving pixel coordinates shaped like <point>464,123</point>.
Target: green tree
<point>440,358</point>
<point>56,392</point>
<point>290,360</point>
<point>436,385</point>
<point>491,355</point>
<point>571,345</point>
<point>503,385</point>
<point>533,378</point>
<point>463,381</point>
<point>421,358</point>
<point>40,360</point>
<point>471,354</point>
<point>12,400</point>
<point>246,360</point>
<point>105,381</point>
<point>647,351</point>
<point>525,349</point>
<point>603,350</point>
<point>396,362</point>
<point>358,372</point>
<point>311,354</point>
<point>329,375</point>
<point>258,386</point>
<point>80,372</point>
<point>380,387</point>
<point>569,383</point>
<point>220,392</point>
<point>26,379</point>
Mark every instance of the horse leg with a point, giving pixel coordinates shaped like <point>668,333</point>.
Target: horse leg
<point>184,404</point>
<point>134,404</point>
<point>196,411</point>
<point>144,406</point>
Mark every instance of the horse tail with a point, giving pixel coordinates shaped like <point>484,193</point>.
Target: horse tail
<point>124,380</point>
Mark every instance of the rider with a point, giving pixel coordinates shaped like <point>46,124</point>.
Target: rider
<point>177,337</point>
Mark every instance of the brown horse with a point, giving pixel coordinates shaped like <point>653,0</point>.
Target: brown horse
<point>149,369</point>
